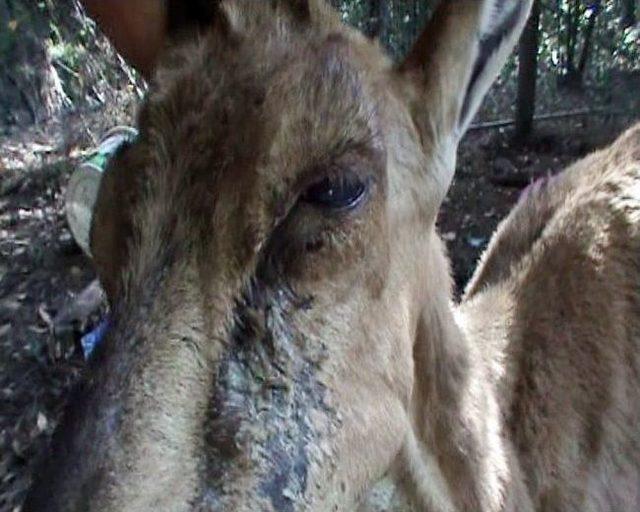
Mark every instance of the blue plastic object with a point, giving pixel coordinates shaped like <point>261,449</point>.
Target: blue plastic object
<point>93,339</point>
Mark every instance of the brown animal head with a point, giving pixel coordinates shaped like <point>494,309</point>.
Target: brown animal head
<point>269,252</point>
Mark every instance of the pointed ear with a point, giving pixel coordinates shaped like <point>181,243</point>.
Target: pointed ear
<point>139,29</point>
<point>457,58</point>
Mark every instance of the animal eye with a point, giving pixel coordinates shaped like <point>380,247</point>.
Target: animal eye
<point>336,194</point>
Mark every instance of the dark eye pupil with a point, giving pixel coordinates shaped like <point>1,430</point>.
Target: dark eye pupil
<point>336,194</point>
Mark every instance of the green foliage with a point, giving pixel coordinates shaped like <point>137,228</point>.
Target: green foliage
<point>564,27</point>
<point>397,23</point>
<point>627,53</point>
<point>565,33</point>
<point>53,59</point>
<point>54,37</point>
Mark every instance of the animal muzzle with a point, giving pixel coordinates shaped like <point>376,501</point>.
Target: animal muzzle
<point>184,411</point>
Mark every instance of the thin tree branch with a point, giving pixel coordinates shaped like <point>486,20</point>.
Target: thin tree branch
<point>503,123</point>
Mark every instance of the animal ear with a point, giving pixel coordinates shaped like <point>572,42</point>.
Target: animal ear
<point>139,29</point>
<point>457,58</point>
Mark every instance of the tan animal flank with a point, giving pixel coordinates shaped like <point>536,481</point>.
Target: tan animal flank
<point>283,334</point>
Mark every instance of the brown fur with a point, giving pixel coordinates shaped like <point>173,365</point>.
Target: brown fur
<point>561,278</point>
<point>267,354</point>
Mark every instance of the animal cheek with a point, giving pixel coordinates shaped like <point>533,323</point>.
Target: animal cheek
<point>340,258</point>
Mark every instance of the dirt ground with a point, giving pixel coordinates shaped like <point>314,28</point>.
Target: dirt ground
<point>491,174</point>
<point>42,270</point>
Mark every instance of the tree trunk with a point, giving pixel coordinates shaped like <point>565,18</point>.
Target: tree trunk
<point>571,31</point>
<point>568,31</point>
<point>52,60</point>
<point>527,75</point>
<point>373,25</point>
<point>629,13</point>
<point>30,88</point>
<point>384,9</point>
<point>588,38</point>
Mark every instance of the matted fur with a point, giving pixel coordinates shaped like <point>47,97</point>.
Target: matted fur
<point>271,354</point>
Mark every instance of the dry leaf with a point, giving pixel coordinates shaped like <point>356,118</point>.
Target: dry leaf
<point>4,330</point>
<point>42,422</point>
<point>45,317</point>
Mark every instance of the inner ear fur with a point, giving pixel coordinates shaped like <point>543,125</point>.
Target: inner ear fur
<point>139,29</point>
<point>456,59</point>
